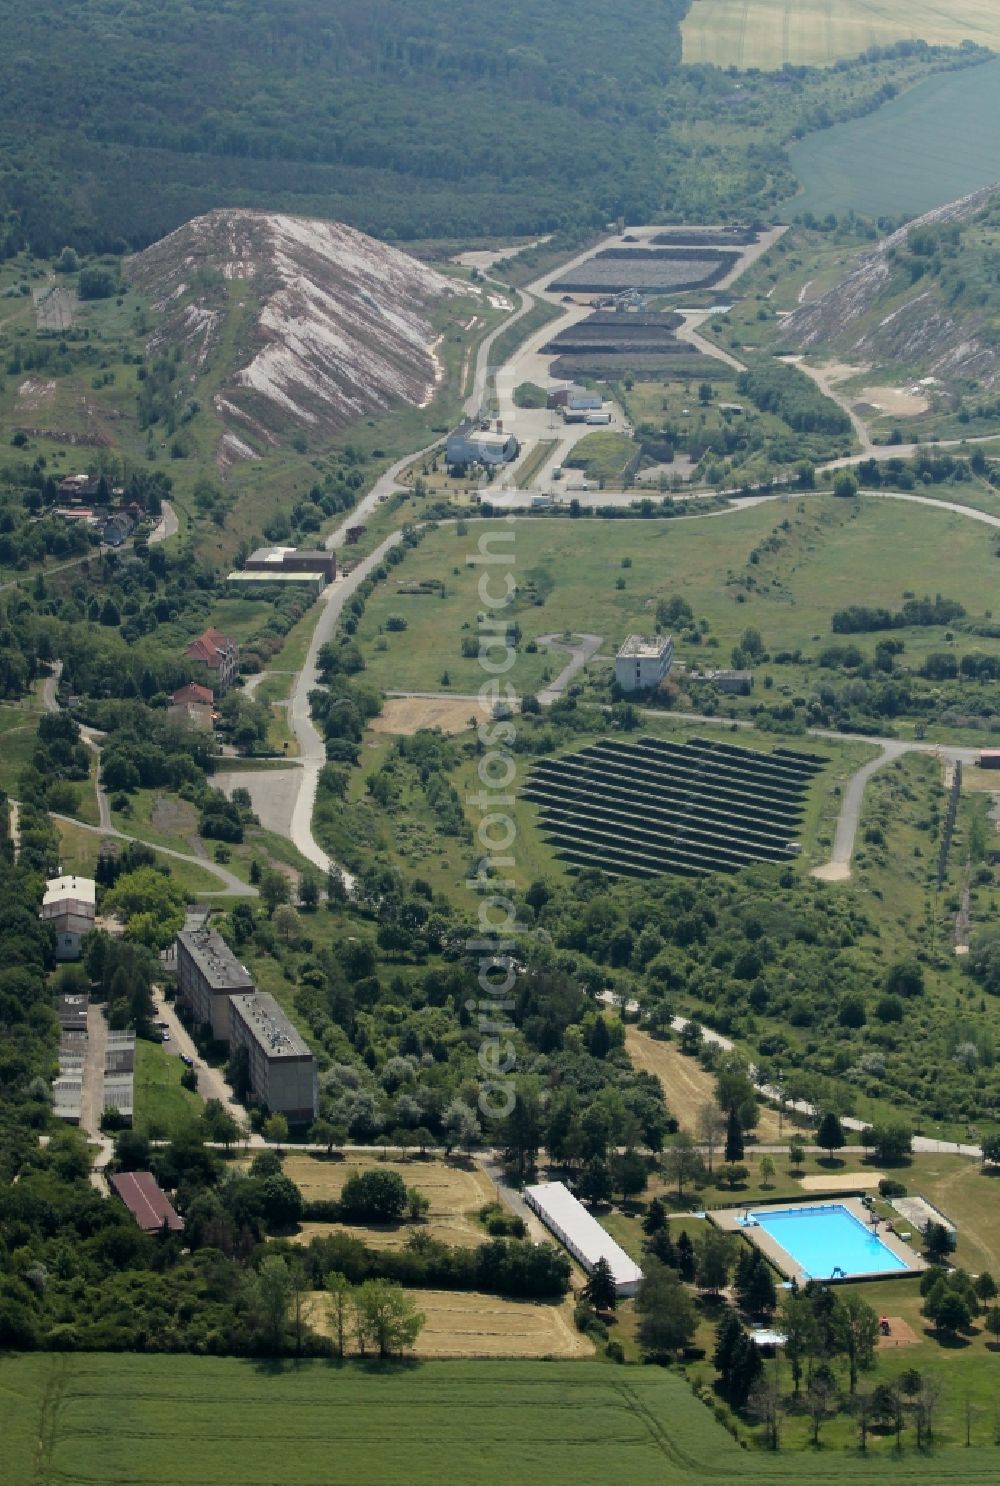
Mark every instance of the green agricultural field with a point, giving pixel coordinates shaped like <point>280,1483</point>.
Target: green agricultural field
<point>192,1421</point>
<point>769,33</point>
<point>736,569</point>
<point>932,144</point>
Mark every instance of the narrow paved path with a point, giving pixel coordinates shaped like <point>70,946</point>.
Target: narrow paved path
<point>312,745</point>
<point>233,886</point>
<point>168,526</point>
<point>838,868</point>
<point>579,654</point>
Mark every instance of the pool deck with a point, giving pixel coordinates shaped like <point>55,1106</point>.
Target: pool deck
<point>728,1220</point>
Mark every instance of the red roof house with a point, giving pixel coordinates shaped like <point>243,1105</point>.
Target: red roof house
<point>218,654</point>
<point>193,695</point>
<point>146,1201</point>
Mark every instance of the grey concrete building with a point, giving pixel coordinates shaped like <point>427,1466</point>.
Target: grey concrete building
<point>208,976</point>
<point>281,1065</point>
<point>642,663</point>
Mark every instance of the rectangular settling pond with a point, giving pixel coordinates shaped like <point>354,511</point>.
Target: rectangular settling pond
<point>823,1241</point>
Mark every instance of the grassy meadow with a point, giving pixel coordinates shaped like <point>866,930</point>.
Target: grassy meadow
<point>605,577</point>
<point>769,33</point>
<point>930,145</point>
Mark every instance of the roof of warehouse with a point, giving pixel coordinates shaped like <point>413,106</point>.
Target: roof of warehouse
<point>556,1203</point>
<point>146,1201</point>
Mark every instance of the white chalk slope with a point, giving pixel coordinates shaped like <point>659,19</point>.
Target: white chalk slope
<point>322,324</point>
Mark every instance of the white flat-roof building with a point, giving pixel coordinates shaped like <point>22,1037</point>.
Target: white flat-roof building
<point>642,662</point>
<point>69,905</point>
<point>481,446</point>
<point>582,1234</point>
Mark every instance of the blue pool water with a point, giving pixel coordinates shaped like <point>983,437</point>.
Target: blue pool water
<point>822,1239</point>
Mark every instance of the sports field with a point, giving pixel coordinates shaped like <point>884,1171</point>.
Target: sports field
<point>934,143</point>
<point>769,33</point>
<point>104,1420</point>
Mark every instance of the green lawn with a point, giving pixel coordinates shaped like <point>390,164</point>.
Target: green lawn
<point>783,567</point>
<point>161,1104</point>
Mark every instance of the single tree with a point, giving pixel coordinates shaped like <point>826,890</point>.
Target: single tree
<point>600,1289</point>
<point>710,1125</point>
<point>830,1136</point>
<point>856,1331</point>
<point>732,1173</point>
<point>948,1309</point>
<point>682,1162</point>
<point>667,1317</point>
<point>276,1129</point>
<point>339,1291</point>
<point>802,1335</point>
<point>765,1401</point>
<point>819,1396</point>
<point>985,1286</point>
<point>796,1154</point>
<point>766,1171</point>
<point>727,1333</point>
<point>734,1137</point>
<point>992,1322</point>
<point>715,1260</point>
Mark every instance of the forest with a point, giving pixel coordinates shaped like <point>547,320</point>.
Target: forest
<point>386,116</point>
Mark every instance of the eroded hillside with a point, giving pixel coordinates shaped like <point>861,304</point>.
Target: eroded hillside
<point>296,325</point>
<point>925,300</point>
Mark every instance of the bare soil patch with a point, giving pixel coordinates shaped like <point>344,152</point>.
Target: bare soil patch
<point>899,402</point>
<point>407,715</point>
<point>34,393</point>
<point>845,1181</point>
<point>901,1334</point>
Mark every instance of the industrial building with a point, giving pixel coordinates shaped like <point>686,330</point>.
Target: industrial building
<point>575,399</point>
<point>146,1201</point>
<point>642,663</point>
<point>208,976</point>
<point>293,563</point>
<point>281,1066</point>
<point>582,1234</point>
<point>69,905</point>
<point>470,445</point>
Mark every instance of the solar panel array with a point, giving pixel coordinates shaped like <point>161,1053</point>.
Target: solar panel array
<point>641,809</point>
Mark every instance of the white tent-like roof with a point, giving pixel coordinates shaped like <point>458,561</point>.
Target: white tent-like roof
<point>582,1234</point>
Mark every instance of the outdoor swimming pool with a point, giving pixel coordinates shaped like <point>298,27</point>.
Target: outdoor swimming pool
<point>827,1241</point>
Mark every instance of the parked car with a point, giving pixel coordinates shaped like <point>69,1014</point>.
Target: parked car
<point>188,1062</point>
<point>164,1036</point>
